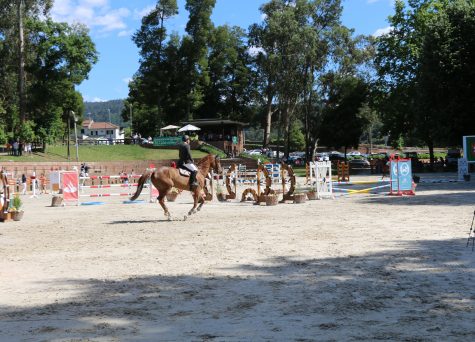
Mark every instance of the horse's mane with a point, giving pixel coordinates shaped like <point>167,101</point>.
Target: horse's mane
<point>205,159</point>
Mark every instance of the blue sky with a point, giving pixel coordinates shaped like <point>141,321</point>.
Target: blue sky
<point>112,22</point>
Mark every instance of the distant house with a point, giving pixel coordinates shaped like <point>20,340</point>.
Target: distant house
<point>100,130</point>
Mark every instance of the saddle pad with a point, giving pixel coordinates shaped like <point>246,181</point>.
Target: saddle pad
<point>184,173</point>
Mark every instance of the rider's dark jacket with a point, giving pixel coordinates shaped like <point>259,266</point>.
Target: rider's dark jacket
<point>184,154</point>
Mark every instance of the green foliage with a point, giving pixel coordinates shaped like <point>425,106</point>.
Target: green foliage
<point>212,150</point>
<point>26,131</point>
<point>3,135</point>
<point>399,143</point>
<point>297,139</point>
<point>99,112</point>
<point>57,56</point>
<point>343,123</point>
<point>17,203</point>
<point>425,68</point>
<point>263,159</point>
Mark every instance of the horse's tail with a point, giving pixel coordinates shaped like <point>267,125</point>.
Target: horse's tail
<point>142,180</point>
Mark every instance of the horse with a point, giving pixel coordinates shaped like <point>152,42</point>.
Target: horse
<point>164,178</point>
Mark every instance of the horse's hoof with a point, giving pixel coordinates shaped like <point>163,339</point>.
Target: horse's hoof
<point>185,217</point>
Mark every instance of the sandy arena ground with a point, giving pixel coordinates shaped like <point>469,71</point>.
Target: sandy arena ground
<point>361,267</point>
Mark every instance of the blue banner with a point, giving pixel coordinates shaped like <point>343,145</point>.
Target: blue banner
<point>401,175</point>
<point>405,175</point>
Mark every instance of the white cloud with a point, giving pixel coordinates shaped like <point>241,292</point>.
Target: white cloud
<point>127,80</point>
<point>125,33</point>
<point>93,13</point>
<point>140,13</point>
<point>383,31</point>
<point>98,99</point>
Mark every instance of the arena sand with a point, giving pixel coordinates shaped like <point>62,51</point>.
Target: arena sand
<point>359,267</point>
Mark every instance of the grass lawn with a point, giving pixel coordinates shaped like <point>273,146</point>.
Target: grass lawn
<point>100,153</point>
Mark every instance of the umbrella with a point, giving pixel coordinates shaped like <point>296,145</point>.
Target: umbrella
<point>189,128</point>
<point>169,127</point>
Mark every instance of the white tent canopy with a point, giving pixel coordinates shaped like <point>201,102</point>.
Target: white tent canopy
<point>189,128</point>
<point>168,128</point>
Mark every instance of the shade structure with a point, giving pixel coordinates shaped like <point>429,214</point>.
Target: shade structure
<point>189,128</point>
<point>169,127</point>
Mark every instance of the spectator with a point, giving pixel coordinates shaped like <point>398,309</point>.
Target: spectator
<point>15,148</point>
<point>23,183</point>
<point>20,148</point>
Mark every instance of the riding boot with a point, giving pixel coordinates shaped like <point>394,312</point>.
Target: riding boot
<point>193,182</point>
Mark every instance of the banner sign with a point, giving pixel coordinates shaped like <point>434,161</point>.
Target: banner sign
<point>401,175</point>
<point>70,186</point>
<point>469,148</point>
<point>54,180</point>
<point>166,141</point>
<point>405,175</point>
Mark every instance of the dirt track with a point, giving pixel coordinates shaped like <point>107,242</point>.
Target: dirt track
<point>355,268</point>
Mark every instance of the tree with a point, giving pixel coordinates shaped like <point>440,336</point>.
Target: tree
<point>13,29</point>
<point>62,57</point>
<point>343,122</point>
<point>425,71</point>
<point>194,50</point>
<point>229,91</point>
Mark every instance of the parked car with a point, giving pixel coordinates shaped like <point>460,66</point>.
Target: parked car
<point>354,153</point>
<point>254,152</point>
<point>336,156</point>
<point>359,163</point>
<point>453,156</point>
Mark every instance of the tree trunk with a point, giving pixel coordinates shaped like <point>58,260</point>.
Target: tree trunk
<point>430,144</point>
<point>267,128</point>
<point>315,148</point>
<point>286,124</point>
<point>21,60</point>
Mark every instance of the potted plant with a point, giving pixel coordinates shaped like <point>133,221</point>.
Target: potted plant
<point>16,208</point>
<point>312,194</point>
<point>271,199</point>
<point>300,198</point>
<point>172,194</point>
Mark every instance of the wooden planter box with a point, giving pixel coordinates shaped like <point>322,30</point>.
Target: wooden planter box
<point>221,197</point>
<point>271,199</point>
<point>312,195</point>
<point>300,198</point>
<point>57,201</point>
<point>17,215</point>
<point>171,196</point>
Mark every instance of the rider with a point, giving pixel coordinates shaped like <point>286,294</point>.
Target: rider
<point>186,161</point>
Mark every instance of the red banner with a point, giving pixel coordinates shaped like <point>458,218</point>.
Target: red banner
<point>70,186</point>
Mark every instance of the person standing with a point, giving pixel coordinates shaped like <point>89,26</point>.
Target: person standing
<point>186,161</point>
<point>23,183</point>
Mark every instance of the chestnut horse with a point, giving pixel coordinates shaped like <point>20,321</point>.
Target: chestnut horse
<point>164,178</point>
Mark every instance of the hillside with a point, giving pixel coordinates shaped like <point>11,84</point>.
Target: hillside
<point>99,111</point>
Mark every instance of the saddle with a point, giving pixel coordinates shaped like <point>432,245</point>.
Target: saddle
<point>184,173</point>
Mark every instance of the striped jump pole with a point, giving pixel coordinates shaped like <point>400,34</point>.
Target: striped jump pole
<point>362,191</point>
